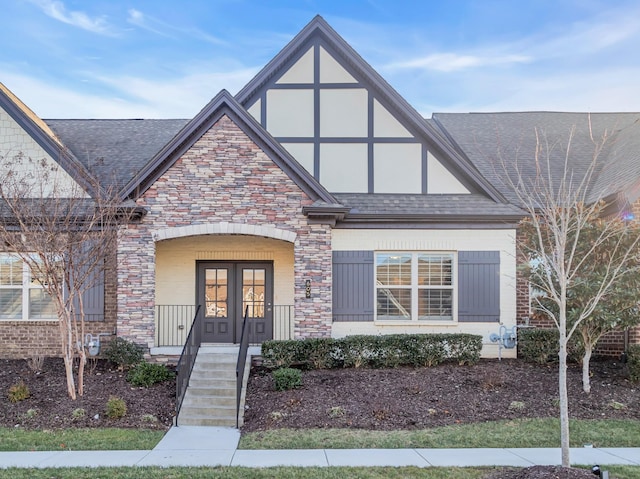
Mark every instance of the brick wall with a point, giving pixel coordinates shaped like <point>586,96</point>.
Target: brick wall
<point>23,339</point>
<point>224,178</point>
<point>522,286</point>
<point>611,344</point>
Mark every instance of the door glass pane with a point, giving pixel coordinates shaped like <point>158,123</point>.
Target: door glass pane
<point>253,291</point>
<point>216,289</point>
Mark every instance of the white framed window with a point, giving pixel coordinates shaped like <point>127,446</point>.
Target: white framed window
<point>22,295</point>
<point>415,286</point>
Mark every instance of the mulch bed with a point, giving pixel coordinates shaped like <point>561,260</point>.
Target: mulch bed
<point>378,399</point>
<point>416,398</point>
<point>51,407</point>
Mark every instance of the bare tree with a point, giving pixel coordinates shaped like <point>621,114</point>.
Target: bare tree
<point>64,229</point>
<point>561,209</point>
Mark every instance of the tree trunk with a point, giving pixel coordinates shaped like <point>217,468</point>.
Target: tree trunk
<point>68,367</point>
<point>586,381</point>
<point>67,354</point>
<point>562,389</point>
<point>82,362</point>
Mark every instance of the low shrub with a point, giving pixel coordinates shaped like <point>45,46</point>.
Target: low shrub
<point>286,378</point>
<point>146,374</point>
<point>116,408</point>
<point>280,354</point>
<point>18,392</point>
<point>381,351</point>
<point>541,345</point>
<point>123,353</point>
<point>633,362</point>
<point>78,413</point>
<point>538,345</point>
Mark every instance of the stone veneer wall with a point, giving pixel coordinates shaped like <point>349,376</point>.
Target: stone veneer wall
<point>223,178</point>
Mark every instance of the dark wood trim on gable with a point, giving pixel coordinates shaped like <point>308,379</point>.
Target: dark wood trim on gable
<point>225,104</point>
<point>318,31</point>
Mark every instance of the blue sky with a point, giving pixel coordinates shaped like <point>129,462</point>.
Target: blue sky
<point>167,59</point>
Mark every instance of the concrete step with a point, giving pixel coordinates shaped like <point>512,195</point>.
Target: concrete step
<point>215,365</point>
<point>209,401</point>
<point>211,391</point>
<point>212,382</point>
<point>208,421</point>
<point>218,358</point>
<point>213,374</point>
<point>201,410</point>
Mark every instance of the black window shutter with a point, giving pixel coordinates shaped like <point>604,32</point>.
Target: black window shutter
<point>353,287</point>
<point>478,286</point>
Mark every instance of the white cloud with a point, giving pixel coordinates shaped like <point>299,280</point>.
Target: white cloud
<point>159,27</point>
<point>449,62</point>
<point>126,97</point>
<point>56,10</point>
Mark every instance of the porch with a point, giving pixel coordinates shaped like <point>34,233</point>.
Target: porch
<point>173,323</point>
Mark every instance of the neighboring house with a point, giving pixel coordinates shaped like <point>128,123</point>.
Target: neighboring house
<point>318,198</point>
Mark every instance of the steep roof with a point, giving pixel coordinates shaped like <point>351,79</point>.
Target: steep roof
<point>224,104</point>
<point>115,151</point>
<point>498,143</point>
<point>319,29</point>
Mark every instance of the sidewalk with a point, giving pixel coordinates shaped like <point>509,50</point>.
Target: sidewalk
<point>211,446</point>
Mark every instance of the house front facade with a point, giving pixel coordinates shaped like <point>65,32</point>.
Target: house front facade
<point>316,200</point>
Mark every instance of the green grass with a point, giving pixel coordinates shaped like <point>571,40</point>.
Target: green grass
<point>617,472</point>
<point>516,433</point>
<point>15,439</point>
<point>246,473</point>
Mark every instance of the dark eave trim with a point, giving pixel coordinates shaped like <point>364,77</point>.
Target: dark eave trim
<point>382,88</point>
<point>426,225</point>
<point>224,104</point>
<point>325,214</point>
<point>422,218</point>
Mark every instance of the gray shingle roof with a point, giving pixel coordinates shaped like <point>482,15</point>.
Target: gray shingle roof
<point>489,139</point>
<point>115,150</point>
<point>433,206</point>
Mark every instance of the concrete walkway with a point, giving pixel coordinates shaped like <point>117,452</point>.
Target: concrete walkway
<point>213,446</point>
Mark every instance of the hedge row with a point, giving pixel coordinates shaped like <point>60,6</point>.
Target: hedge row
<point>385,351</point>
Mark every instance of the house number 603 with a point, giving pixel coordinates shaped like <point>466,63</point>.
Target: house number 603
<point>307,288</point>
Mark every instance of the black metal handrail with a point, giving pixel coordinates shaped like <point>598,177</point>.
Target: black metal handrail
<point>242,359</point>
<point>188,359</point>
<point>173,323</point>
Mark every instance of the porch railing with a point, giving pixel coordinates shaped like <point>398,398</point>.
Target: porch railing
<point>242,359</point>
<point>188,359</point>
<point>173,323</point>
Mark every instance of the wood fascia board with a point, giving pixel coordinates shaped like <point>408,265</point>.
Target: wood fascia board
<point>221,104</point>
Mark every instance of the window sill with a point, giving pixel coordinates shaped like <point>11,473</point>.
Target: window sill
<point>391,322</point>
<point>7,320</point>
